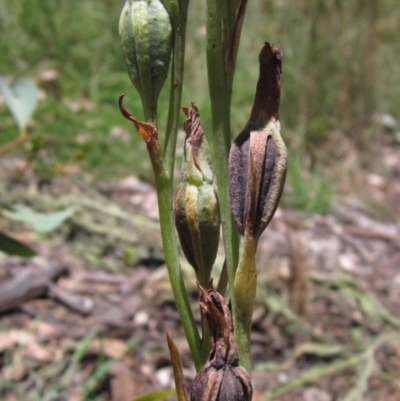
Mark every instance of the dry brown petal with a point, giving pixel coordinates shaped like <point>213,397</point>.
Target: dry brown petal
<point>147,131</point>
<point>268,92</point>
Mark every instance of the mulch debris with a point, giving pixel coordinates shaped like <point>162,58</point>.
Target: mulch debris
<point>86,318</point>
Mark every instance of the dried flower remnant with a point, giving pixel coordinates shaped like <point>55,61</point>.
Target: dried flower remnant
<point>149,134</point>
<point>258,156</point>
<point>196,208</point>
<point>221,378</point>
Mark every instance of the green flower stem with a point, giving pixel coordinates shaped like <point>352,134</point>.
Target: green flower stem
<point>223,280</point>
<point>245,292</point>
<point>163,187</point>
<point>220,96</point>
<point>205,338</point>
<point>228,18</point>
<point>178,14</point>
<point>228,13</point>
<point>177,11</point>
<point>224,25</point>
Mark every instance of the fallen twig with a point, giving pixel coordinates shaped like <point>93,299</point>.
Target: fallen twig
<point>28,284</point>
<point>77,303</point>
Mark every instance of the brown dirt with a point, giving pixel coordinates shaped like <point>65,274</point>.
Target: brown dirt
<point>323,280</point>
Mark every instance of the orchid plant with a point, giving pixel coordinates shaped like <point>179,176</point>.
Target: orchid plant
<point>239,188</point>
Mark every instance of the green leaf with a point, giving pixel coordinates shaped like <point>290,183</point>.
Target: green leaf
<point>21,98</point>
<point>41,222</point>
<point>155,395</point>
<point>11,246</point>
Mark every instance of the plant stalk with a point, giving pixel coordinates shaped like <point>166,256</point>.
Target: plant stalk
<point>165,207</point>
<point>220,96</point>
<point>245,292</point>
<point>178,14</point>
<point>163,183</point>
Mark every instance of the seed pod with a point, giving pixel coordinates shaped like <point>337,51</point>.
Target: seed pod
<point>196,206</point>
<point>146,40</point>
<point>221,378</point>
<point>258,156</point>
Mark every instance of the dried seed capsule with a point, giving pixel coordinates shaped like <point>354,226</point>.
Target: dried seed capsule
<point>146,40</point>
<point>258,156</point>
<point>196,206</point>
<point>221,378</point>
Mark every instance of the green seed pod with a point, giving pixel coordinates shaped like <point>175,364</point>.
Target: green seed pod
<point>196,206</point>
<point>146,40</point>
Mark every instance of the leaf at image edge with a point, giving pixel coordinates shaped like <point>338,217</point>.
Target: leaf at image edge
<point>11,246</point>
<point>155,395</point>
<point>41,222</point>
<point>20,97</point>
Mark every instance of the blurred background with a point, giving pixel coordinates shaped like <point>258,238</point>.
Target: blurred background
<point>340,83</point>
<point>340,120</point>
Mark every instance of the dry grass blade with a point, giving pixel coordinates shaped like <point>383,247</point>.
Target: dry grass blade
<point>178,373</point>
<point>366,367</point>
<point>312,374</point>
<point>322,350</point>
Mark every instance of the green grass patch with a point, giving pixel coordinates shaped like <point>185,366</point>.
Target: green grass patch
<point>307,188</point>
<point>333,56</point>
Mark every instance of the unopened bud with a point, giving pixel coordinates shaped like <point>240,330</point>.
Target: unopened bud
<point>258,156</point>
<point>145,33</point>
<point>196,206</point>
<point>221,378</point>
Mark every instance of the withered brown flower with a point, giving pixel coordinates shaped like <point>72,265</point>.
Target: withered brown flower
<point>221,378</point>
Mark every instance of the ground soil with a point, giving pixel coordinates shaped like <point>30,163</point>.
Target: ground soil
<point>326,321</point>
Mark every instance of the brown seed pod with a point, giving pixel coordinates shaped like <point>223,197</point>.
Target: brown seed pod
<point>258,156</point>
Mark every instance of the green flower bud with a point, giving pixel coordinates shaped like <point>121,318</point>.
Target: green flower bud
<point>146,40</point>
<point>196,206</point>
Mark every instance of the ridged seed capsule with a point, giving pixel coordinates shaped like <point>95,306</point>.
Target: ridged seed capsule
<point>146,40</point>
<point>196,208</point>
<point>258,156</point>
